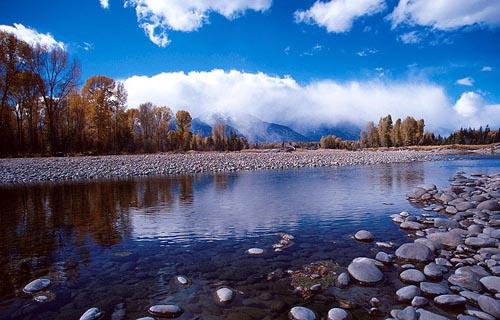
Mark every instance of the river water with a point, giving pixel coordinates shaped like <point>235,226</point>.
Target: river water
<point>118,244</point>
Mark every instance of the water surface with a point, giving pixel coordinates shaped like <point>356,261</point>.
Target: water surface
<point>121,242</point>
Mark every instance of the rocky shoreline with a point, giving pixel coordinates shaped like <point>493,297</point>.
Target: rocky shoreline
<point>32,170</point>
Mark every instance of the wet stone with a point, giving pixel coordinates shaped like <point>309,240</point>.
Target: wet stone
<point>407,293</point>
<point>224,295</point>
<point>166,311</point>
<point>449,300</point>
<point>414,252</point>
<point>338,314</point>
<point>36,285</point>
<point>365,236</point>
<point>255,251</point>
<point>433,289</point>
<point>91,314</point>
<point>489,305</point>
<point>412,276</point>
<point>301,313</point>
<point>408,313</point>
<point>491,283</point>
<point>365,273</point>
<point>419,302</point>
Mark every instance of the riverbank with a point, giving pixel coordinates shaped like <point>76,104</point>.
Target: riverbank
<point>31,170</point>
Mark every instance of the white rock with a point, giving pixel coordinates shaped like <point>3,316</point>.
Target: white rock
<point>301,313</point>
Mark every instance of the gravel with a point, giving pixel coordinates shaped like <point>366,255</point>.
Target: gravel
<point>31,170</point>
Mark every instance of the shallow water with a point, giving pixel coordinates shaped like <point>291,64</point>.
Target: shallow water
<point>120,243</point>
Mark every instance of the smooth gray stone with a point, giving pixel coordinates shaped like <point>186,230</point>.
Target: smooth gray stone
<point>301,313</point>
<point>91,314</point>
<point>419,302</point>
<point>449,300</point>
<point>433,289</point>
<point>491,205</point>
<point>465,281</point>
<point>408,313</point>
<point>434,271</point>
<point>448,239</point>
<point>363,235</point>
<point>165,310</point>
<point>427,315</point>
<point>365,273</point>
<point>414,252</point>
<point>491,283</point>
<point>489,305</point>
<point>445,223</point>
<point>412,276</point>
<point>338,314</point>
<point>36,285</point>
<point>224,295</point>
<point>406,294</point>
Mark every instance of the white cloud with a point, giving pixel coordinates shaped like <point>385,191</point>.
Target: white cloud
<point>446,14</point>
<point>313,51</point>
<point>411,37</point>
<point>467,81</point>
<point>32,36</point>
<point>487,69</point>
<point>366,52</point>
<point>283,100</point>
<point>156,17</point>
<point>104,4</point>
<point>338,15</point>
<point>474,111</point>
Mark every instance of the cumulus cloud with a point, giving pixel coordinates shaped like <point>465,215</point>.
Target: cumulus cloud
<point>446,14</point>
<point>467,81</point>
<point>338,15</point>
<point>104,4</point>
<point>32,36</point>
<point>487,69</point>
<point>474,111</point>
<point>283,100</point>
<point>156,17</point>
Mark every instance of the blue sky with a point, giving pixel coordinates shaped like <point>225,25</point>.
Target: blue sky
<point>286,60</point>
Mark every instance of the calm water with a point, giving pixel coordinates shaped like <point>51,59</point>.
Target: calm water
<point>120,243</point>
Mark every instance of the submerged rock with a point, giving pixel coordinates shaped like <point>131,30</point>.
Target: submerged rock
<point>255,251</point>
<point>365,236</point>
<point>301,313</point>
<point>338,314</point>
<point>91,314</point>
<point>36,285</point>
<point>166,311</point>
<point>224,295</point>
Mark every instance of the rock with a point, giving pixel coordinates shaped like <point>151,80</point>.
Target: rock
<point>433,289</point>
<point>473,271</point>
<point>476,314</point>
<point>491,205</point>
<point>451,210</point>
<point>365,236</point>
<point>224,295</point>
<point>419,302</point>
<point>412,276</point>
<point>480,242</point>
<point>406,294</point>
<point>445,223</point>
<point>489,305</point>
<point>36,285</point>
<point>411,225</point>
<point>427,315</point>
<point>338,314</point>
<point>465,281</point>
<point>91,314</point>
<point>375,302</point>
<point>491,283</point>
<point>416,193</point>
<point>165,311</point>
<point>255,251</point>
<point>343,280</point>
<point>375,262</point>
<point>414,252</point>
<point>443,262</point>
<point>383,257</point>
<point>183,281</point>
<point>449,239</point>
<point>434,271</point>
<point>408,313</point>
<point>449,300</point>
<point>464,206</point>
<point>388,245</point>
<point>301,313</point>
<point>365,273</point>
<point>433,245</point>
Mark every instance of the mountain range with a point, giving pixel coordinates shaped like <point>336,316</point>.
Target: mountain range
<point>256,130</point>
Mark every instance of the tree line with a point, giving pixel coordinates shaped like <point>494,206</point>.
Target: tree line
<point>409,132</point>
<point>42,111</point>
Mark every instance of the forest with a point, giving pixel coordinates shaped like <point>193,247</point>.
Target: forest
<point>44,112</point>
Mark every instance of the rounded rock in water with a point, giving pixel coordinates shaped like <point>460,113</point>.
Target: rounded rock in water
<point>91,314</point>
<point>363,235</point>
<point>224,295</point>
<point>166,311</point>
<point>255,251</point>
<point>183,281</point>
<point>36,285</point>
<point>338,314</point>
<point>301,313</point>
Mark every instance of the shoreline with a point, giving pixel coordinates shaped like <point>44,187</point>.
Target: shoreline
<point>38,170</point>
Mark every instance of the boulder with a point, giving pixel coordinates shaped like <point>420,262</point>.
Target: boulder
<point>365,273</point>
<point>448,239</point>
<point>165,311</point>
<point>36,285</point>
<point>449,300</point>
<point>433,289</point>
<point>406,294</point>
<point>412,276</point>
<point>491,205</point>
<point>465,281</point>
<point>491,283</point>
<point>489,305</point>
<point>363,235</point>
<point>224,295</point>
<point>338,314</point>
<point>446,223</point>
<point>414,252</point>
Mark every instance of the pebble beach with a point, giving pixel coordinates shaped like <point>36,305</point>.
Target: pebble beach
<point>32,170</point>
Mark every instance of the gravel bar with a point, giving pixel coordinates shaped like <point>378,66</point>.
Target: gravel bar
<point>31,170</point>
